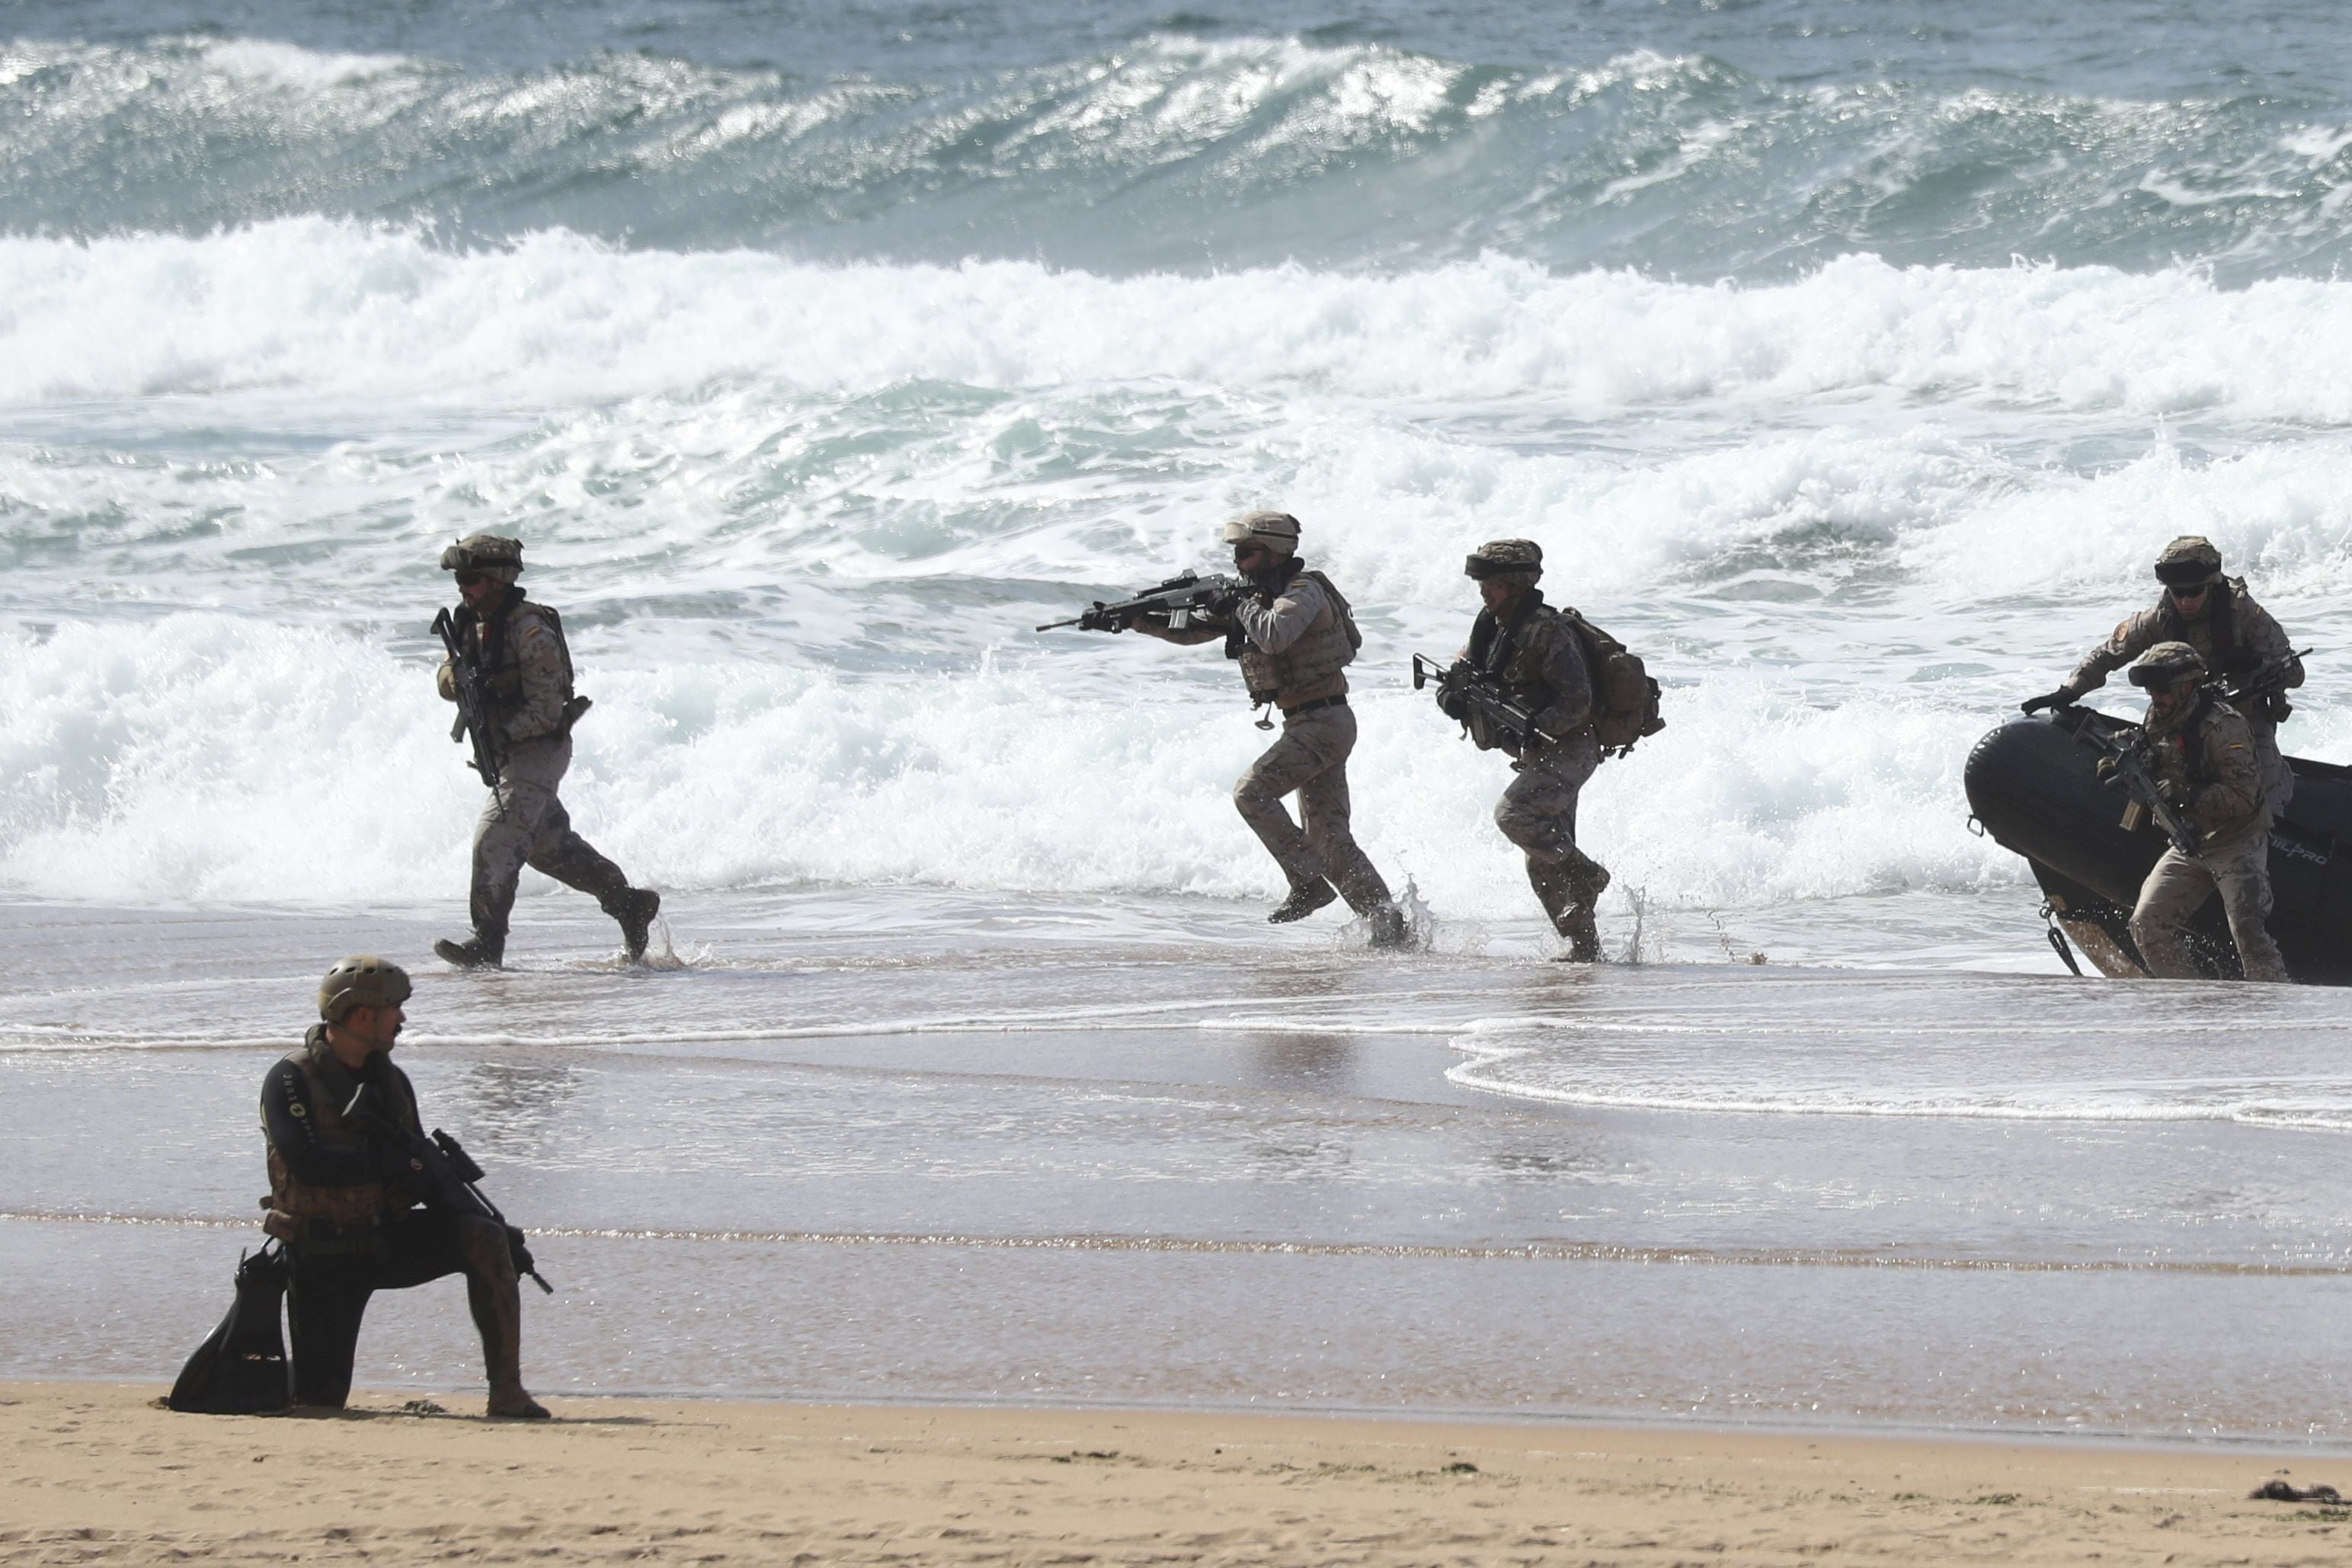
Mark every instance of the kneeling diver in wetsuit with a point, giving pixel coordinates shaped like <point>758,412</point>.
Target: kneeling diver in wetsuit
<point>343,1198</point>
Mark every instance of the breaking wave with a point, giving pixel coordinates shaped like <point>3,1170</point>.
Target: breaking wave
<point>319,308</point>
<point>1176,151</point>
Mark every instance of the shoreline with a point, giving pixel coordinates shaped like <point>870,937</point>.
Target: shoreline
<point>2320,1450</point>
<point>99,1472</point>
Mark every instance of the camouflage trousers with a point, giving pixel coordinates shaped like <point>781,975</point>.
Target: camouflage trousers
<point>1311,760</point>
<point>525,825</point>
<point>2240,871</point>
<point>1537,813</point>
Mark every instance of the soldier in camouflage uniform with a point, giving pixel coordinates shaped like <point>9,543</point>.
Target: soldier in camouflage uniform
<point>1293,638</point>
<point>1534,654</point>
<point>2205,765</point>
<point>2219,620</point>
<point>532,707</point>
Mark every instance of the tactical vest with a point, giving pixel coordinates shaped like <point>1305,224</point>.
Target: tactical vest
<point>2214,635</point>
<point>1498,652</point>
<point>1310,668</point>
<point>300,1212</point>
<point>500,657</point>
<point>2186,746</point>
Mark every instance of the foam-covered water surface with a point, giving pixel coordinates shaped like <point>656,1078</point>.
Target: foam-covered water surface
<point>800,574</point>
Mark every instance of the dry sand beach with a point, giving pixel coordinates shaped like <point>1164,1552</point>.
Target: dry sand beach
<point>96,1473</point>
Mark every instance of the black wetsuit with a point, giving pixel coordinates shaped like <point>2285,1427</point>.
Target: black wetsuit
<point>338,1266</point>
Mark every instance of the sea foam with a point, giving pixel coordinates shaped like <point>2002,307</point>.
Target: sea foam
<point>211,757</point>
<point>324,308</point>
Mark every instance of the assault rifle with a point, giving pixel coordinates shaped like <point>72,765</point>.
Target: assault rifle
<point>2125,764</point>
<point>1182,597</point>
<point>1462,691</point>
<point>449,1174</point>
<point>2264,683</point>
<point>473,684</point>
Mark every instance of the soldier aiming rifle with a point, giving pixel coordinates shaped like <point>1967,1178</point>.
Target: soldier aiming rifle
<point>1292,636</point>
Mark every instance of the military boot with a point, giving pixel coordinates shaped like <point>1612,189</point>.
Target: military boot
<point>1552,889</point>
<point>474,953</point>
<point>1389,928</point>
<point>634,908</point>
<point>1584,935</point>
<point>1584,883</point>
<point>1304,899</point>
<point>1587,879</point>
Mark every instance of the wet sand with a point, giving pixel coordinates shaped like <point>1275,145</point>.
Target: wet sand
<point>880,1147</point>
<point>98,1473</point>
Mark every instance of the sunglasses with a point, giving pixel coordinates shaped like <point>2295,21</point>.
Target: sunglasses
<point>2189,590</point>
<point>472,579</point>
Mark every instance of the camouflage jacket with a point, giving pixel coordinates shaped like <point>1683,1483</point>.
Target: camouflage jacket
<point>1538,660</point>
<point>2208,760</point>
<point>2232,636</point>
<point>529,665</point>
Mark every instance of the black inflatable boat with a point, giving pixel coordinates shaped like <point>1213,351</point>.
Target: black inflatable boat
<point>2033,786</point>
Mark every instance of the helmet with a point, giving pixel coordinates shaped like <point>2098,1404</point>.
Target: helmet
<point>493,555</point>
<point>363,980</point>
<point>2166,663</point>
<point>1277,530</point>
<point>1506,558</point>
<point>2187,561</point>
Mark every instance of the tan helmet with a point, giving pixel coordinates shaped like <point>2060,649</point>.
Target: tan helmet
<point>1277,530</point>
<point>493,555</point>
<point>1520,558</point>
<point>2166,663</point>
<point>363,980</point>
<point>2189,561</point>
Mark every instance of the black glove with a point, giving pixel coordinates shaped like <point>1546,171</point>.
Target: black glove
<point>1450,700</point>
<point>392,1161</point>
<point>2058,698</point>
<point>2175,793</point>
<point>1223,606</point>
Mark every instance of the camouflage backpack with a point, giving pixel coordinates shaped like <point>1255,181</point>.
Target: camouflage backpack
<point>1624,697</point>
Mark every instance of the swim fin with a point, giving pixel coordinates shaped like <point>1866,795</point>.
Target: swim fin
<point>241,1368</point>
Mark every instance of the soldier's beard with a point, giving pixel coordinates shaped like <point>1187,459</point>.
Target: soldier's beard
<point>2164,713</point>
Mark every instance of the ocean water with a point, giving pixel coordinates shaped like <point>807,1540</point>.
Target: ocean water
<point>1849,362</point>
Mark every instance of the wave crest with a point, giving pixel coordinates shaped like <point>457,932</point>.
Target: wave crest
<point>320,308</point>
<point>1175,153</point>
